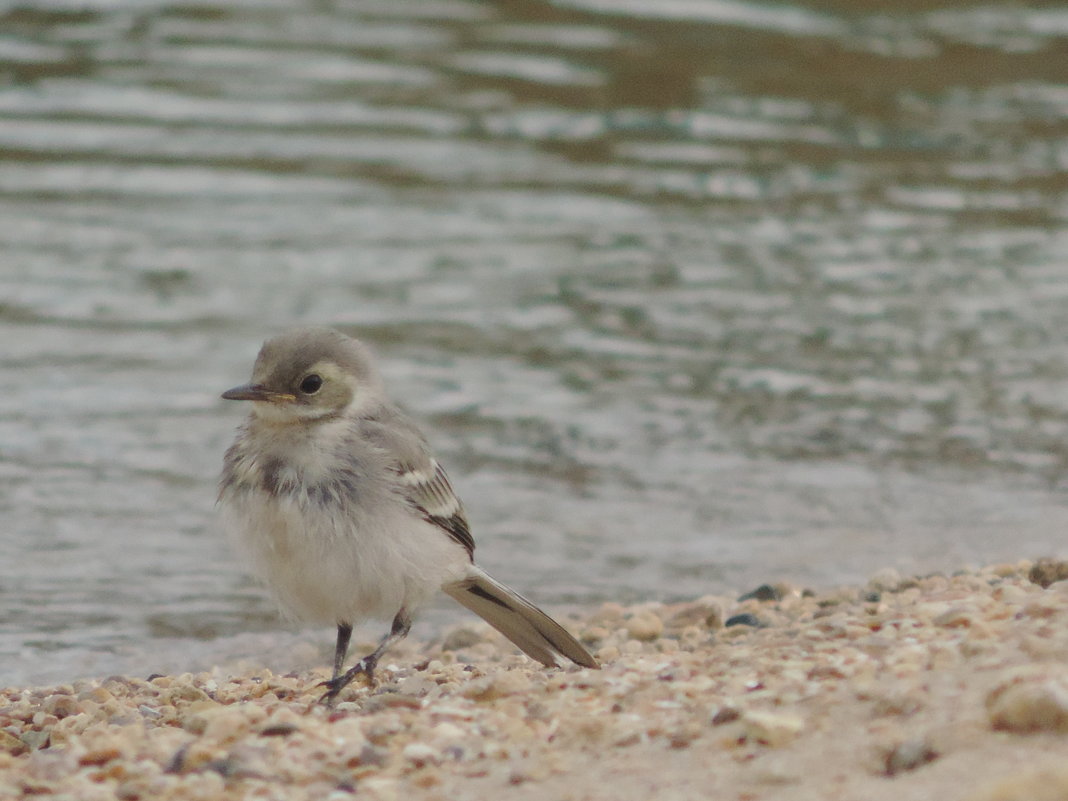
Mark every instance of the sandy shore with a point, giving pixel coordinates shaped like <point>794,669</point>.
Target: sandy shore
<point>950,687</point>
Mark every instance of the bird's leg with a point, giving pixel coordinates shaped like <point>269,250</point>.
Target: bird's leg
<point>402,624</point>
<point>344,632</point>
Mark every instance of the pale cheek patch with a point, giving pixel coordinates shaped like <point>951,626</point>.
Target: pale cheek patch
<point>273,412</point>
<point>361,398</point>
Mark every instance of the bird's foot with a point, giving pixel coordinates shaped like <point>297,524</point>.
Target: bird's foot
<point>365,667</point>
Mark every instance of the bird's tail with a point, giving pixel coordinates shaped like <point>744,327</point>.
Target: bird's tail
<point>537,635</point>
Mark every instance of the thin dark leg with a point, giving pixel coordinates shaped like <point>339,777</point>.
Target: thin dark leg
<point>344,633</point>
<point>402,624</point>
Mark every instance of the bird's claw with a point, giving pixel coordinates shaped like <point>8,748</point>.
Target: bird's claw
<point>339,683</point>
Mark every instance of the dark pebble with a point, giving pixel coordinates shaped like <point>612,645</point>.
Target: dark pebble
<point>279,730</point>
<point>176,764</point>
<point>1046,571</point>
<point>765,592</point>
<point>744,620</point>
<point>725,714</point>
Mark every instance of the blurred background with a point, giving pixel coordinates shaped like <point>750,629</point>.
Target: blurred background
<point>690,294</point>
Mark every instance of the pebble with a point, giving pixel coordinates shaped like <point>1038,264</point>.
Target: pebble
<point>885,580</point>
<point>420,754</point>
<point>1047,571</point>
<point>11,744</point>
<point>765,592</point>
<point>492,688</point>
<point>704,613</point>
<point>1031,699</point>
<point>744,619</point>
<point>771,728</point>
<point>644,626</point>
<point>956,617</point>
<point>909,755</point>
<point>63,706</point>
<point>595,635</point>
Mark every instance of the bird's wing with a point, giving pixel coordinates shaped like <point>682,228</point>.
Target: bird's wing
<point>423,482</point>
<point>427,488</point>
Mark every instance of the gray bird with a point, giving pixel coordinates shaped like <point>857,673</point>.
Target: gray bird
<point>335,496</point>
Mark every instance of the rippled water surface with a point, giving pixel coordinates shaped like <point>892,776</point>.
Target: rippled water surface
<point>691,294</point>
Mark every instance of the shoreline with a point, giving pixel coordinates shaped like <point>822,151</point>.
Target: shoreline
<point>940,685</point>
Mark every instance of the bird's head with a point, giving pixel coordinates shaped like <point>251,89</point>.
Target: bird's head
<point>310,374</point>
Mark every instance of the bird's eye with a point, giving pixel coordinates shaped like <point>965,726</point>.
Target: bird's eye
<point>311,384</point>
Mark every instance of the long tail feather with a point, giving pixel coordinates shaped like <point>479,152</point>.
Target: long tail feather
<point>537,635</point>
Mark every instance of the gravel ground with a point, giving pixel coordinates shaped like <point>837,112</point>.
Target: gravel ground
<point>949,687</point>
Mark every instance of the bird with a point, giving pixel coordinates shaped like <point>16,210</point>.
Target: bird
<point>336,498</point>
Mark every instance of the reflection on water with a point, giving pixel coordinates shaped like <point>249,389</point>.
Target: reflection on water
<point>692,294</point>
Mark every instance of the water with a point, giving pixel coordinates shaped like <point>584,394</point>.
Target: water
<point>691,295</point>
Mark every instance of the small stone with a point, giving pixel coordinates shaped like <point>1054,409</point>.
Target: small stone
<point>372,756</point>
<point>1004,570</point>
<point>490,688</point>
<point>1010,593</point>
<point>130,791</point>
<point>447,733</point>
<point>35,739</point>
<point>909,755</point>
<point>726,714</point>
<point>897,703</point>
<point>279,730</point>
<point>1041,610</point>
<point>184,692</point>
<point>420,754</point>
<point>886,580</point>
<point>609,613</point>
<point>197,715</point>
<point>956,617</point>
<point>99,756</point>
<point>607,654</point>
<point>1047,571</point>
<point>644,626</point>
<point>100,695</point>
<point>771,728</point>
<point>11,744</point>
<point>1030,699</point>
<point>381,788</point>
<point>705,613</point>
<point>765,592</point>
<point>594,635</point>
<point>824,672</point>
<point>62,706</point>
<point>43,720</point>
<point>426,777</point>
<point>529,772</point>
<point>684,735</point>
<point>744,619</point>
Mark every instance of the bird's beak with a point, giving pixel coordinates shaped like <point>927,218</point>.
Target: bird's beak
<point>257,392</point>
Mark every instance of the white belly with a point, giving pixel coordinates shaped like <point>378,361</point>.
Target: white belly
<point>356,552</point>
